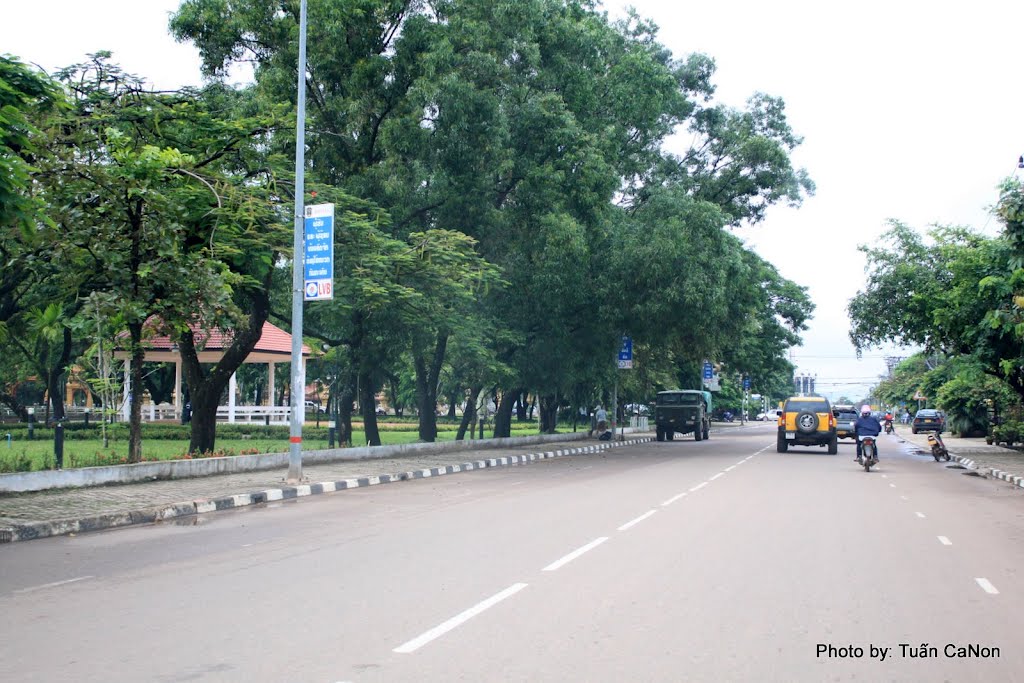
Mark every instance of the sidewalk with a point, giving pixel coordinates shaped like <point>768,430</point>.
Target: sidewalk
<point>53,512</point>
<point>991,461</point>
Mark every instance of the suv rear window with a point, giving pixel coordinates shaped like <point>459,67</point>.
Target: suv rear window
<point>810,406</point>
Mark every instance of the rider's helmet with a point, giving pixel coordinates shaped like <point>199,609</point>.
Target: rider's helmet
<point>865,410</point>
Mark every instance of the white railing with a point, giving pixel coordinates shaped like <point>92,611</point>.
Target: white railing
<point>279,415</point>
<point>638,422</point>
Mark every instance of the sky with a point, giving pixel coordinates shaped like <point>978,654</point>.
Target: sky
<point>909,110</point>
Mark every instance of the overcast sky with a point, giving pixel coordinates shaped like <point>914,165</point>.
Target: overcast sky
<point>908,110</point>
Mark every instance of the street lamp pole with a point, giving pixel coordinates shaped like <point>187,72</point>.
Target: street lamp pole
<point>298,391</point>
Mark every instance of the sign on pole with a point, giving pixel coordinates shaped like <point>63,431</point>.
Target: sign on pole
<point>318,255</point>
<point>709,370</point>
<point>626,354</point>
<point>746,384</point>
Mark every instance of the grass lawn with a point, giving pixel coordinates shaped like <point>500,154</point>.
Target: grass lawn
<point>23,455</point>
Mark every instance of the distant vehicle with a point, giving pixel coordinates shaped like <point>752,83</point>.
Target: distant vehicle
<point>314,407</point>
<point>807,421</point>
<point>928,420</point>
<point>683,412</point>
<point>846,418</point>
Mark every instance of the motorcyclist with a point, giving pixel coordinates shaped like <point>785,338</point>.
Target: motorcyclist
<point>866,425</point>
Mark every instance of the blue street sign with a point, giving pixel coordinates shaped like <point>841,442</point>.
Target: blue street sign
<point>318,257</point>
<point>746,383</point>
<point>626,354</point>
<point>709,370</point>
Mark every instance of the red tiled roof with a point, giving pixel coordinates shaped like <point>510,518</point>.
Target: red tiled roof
<point>272,339</point>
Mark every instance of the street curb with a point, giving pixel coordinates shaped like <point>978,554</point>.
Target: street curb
<point>997,474</point>
<point>60,527</point>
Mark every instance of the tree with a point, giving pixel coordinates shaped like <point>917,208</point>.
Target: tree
<point>957,294</point>
<point>160,201</point>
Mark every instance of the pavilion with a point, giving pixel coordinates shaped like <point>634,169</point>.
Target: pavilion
<point>274,346</point>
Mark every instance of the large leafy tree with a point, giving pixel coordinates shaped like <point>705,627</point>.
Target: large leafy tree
<point>521,125</point>
<point>162,208</point>
<point>26,96</point>
<point>957,292</point>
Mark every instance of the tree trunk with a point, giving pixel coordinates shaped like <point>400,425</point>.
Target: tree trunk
<point>135,396</point>
<point>426,387</point>
<point>503,418</point>
<point>548,413</point>
<point>11,402</point>
<point>56,373</point>
<point>344,395</point>
<point>206,388</point>
<point>368,407</point>
<point>521,406</point>
<point>469,414</point>
<point>453,399</point>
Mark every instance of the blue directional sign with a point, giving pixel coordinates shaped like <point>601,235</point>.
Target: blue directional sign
<point>626,354</point>
<point>746,384</point>
<point>709,370</point>
<point>318,259</point>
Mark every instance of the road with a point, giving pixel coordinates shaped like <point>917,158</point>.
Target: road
<point>674,561</point>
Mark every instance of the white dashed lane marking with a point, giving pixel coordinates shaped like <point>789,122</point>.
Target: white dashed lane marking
<point>637,520</point>
<point>557,564</point>
<point>673,499</point>
<point>945,541</point>
<point>987,586</point>
<point>920,514</point>
<point>438,631</point>
<point>52,585</point>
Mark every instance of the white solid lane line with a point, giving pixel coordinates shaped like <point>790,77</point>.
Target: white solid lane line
<point>673,499</point>
<point>574,554</point>
<point>987,586</point>
<point>438,631</point>
<point>52,585</point>
<point>699,486</point>
<point>637,520</point>
<point>730,468</point>
<point>716,476</point>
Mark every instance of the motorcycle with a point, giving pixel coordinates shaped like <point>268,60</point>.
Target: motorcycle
<point>938,447</point>
<point>868,452</point>
<point>888,427</point>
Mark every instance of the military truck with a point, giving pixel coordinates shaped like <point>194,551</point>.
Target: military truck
<point>683,412</point>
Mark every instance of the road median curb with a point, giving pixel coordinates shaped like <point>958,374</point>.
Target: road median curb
<point>152,515</point>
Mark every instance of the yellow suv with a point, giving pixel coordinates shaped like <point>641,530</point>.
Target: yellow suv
<point>807,421</point>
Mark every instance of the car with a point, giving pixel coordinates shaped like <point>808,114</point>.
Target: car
<point>846,419</point>
<point>807,421</point>
<point>314,407</point>
<point>928,420</point>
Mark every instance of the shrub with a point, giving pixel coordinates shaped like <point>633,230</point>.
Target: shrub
<point>1009,433</point>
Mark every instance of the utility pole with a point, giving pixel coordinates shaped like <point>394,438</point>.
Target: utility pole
<point>298,392</point>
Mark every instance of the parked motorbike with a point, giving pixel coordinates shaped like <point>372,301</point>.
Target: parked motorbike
<point>938,447</point>
<point>888,427</point>
<point>868,452</point>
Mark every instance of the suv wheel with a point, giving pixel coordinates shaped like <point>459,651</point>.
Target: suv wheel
<point>661,434</point>
<point>780,445</point>
<point>833,445</point>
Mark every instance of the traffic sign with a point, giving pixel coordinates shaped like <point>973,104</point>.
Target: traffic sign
<point>626,354</point>
<point>709,370</point>
<point>318,256</point>
<point>746,384</point>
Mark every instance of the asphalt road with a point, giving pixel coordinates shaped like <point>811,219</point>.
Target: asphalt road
<point>676,561</point>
